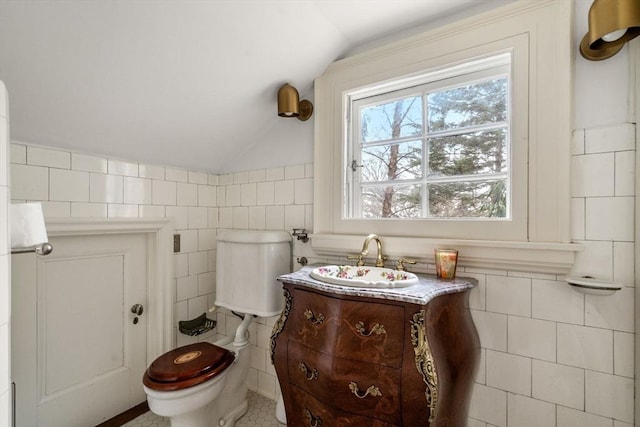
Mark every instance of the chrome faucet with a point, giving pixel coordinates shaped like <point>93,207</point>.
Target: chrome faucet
<point>365,251</point>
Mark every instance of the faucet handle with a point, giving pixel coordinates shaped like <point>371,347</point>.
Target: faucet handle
<point>400,264</point>
<point>358,257</point>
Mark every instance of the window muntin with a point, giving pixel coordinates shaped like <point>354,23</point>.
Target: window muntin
<point>438,149</point>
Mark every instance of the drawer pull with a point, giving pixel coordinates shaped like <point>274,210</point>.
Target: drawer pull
<point>372,390</point>
<point>316,320</point>
<point>310,374</point>
<point>313,421</point>
<point>377,329</point>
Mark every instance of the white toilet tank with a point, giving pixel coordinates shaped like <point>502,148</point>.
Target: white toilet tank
<point>248,264</point>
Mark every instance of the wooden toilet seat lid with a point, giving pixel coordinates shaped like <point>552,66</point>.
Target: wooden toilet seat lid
<point>187,366</point>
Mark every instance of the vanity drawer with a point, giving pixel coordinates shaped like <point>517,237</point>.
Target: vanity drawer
<point>356,387</point>
<point>309,412</point>
<point>369,332</point>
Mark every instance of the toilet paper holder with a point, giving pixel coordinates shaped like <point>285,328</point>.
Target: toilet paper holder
<point>41,249</point>
<point>28,231</point>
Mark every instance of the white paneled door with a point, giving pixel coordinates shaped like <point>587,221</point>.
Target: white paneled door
<point>78,350</point>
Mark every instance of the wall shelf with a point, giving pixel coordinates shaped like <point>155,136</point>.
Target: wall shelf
<point>592,286</point>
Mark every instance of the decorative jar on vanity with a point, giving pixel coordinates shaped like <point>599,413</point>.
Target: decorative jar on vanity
<point>368,357</point>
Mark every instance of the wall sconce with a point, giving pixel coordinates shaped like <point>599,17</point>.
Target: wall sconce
<point>28,232</point>
<point>612,23</point>
<point>289,104</point>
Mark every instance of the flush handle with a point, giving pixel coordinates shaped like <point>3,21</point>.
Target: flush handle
<point>137,309</point>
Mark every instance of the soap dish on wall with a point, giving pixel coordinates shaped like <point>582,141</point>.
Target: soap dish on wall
<point>592,286</point>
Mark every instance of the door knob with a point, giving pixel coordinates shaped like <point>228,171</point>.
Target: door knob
<point>137,309</point>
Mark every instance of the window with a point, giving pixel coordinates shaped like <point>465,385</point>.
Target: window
<point>404,149</point>
<point>439,149</point>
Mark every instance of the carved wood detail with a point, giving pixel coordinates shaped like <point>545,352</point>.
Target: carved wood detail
<point>279,326</point>
<point>424,361</point>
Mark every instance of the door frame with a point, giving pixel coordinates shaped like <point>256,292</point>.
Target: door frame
<point>160,283</point>
<point>634,117</point>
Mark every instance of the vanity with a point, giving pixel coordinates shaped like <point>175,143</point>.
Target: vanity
<point>355,356</point>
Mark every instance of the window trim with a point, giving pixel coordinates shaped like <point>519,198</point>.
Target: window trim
<point>545,27</point>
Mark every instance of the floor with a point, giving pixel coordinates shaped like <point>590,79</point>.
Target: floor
<point>262,413</point>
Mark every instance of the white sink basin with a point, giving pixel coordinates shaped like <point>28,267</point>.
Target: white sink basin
<point>368,277</point>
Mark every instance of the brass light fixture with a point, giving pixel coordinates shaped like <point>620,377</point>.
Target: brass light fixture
<point>289,104</point>
<point>612,23</point>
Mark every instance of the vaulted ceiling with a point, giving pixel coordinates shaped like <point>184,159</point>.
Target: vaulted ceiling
<point>180,82</point>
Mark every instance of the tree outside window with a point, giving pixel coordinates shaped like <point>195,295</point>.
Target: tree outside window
<point>440,152</point>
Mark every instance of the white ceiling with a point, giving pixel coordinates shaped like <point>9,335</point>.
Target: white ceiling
<point>180,82</point>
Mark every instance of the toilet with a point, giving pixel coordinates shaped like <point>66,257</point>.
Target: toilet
<point>204,384</point>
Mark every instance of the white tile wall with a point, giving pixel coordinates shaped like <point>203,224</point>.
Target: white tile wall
<point>509,295</point>
<point>163,192</point>
<point>526,412</point>
<point>578,349</point>
<point>105,188</point>
<point>614,312</point>
<point>119,167</point>
<point>585,183</point>
<point>553,300</point>
<point>80,162</point>
<point>550,356</point>
<point>68,185</point>
<point>585,347</point>
<point>611,138</point>
<point>264,199</point>
<point>45,157</point>
<point>509,372</point>
<point>489,404</point>
<point>571,418</point>
<point>623,352</point>
<point>29,182</point>
<point>532,338</point>
<point>607,218</point>
<point>492,329</point>
<point>83,185</point>
<point>609,396</point>
<point>559,384</point>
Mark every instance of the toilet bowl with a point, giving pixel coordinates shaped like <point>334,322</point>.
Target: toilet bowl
<point>204,384</point>
<point>199,391</point>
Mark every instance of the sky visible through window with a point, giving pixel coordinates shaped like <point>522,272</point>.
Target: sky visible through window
<point>440,153</point>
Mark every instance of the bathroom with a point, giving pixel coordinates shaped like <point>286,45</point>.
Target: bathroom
<point>550,356</point>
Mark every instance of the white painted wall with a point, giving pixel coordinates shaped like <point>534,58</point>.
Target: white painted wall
<point>288,142</point>
<point>5,291</point>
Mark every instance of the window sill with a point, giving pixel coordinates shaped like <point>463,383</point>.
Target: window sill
<point>550,258</point>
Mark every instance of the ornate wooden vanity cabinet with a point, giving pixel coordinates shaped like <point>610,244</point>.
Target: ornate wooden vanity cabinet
<point>390,357</point>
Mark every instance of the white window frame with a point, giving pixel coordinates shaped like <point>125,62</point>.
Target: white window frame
<point>495,66</point>
<point>537,238</point>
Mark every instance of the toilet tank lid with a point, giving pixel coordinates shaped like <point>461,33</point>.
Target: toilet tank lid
<point>253,236</point>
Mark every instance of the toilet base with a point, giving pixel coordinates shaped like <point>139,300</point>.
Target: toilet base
<point>229,420</point>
